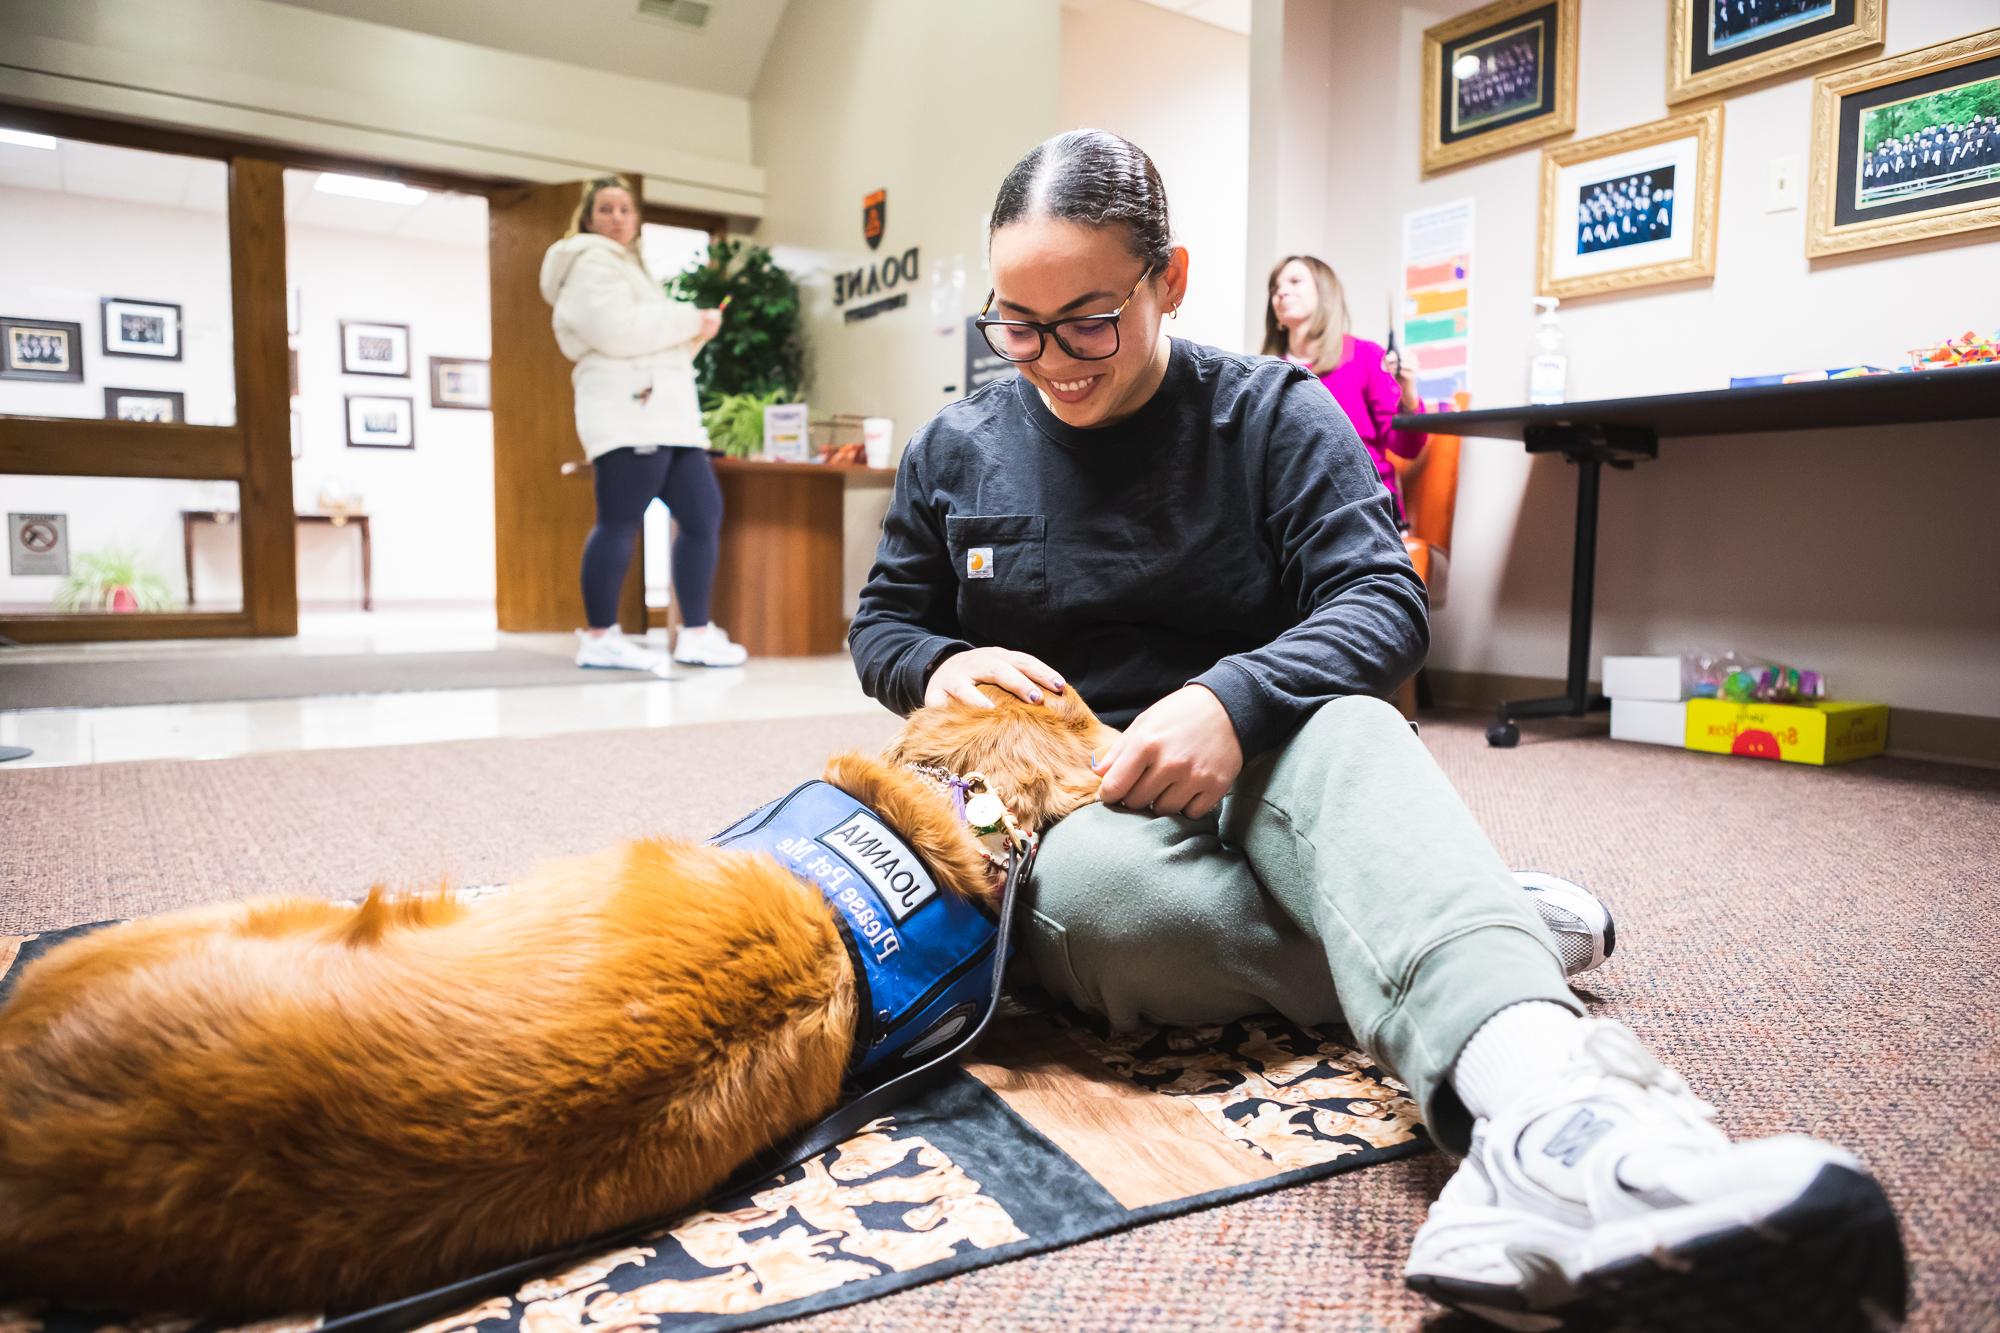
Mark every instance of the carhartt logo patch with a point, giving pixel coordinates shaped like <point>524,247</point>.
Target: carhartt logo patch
<point>979,563</point>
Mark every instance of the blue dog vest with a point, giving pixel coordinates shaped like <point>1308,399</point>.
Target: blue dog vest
<point>922,954</point>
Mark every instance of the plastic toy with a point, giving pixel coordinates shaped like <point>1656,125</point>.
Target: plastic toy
<point>1730,676</point>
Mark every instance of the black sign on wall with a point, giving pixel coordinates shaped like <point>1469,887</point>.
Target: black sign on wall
<point>983,365</point>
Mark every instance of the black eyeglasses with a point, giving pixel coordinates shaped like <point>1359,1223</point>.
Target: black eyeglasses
<point>1088,338</point>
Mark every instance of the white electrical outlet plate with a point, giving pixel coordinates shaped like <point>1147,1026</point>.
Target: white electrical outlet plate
<point>1786,183</point>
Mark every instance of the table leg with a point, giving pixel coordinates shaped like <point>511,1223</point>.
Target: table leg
<point>1590,449</point>
<point>367,566</point>
<point>187,554</point>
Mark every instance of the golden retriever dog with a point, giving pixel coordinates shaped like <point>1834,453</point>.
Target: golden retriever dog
<point>285,1104</point>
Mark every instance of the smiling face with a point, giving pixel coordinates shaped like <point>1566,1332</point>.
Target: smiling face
<point>1046,270</point>
<point>1294,295</point>
<point>614,215</point>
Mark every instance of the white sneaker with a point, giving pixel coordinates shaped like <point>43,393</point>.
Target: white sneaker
<point>1580,923</point>
<point>614,651</point>
<point>708,646</point>
<point>1611,1199</point>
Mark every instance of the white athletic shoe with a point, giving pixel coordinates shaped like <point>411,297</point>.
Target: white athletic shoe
<point>1610,1200</point>
<point>1581,924</point>
<point>614,651</point>
<point>708,646</point>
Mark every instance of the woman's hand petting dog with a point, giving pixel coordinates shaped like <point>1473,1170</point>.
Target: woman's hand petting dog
<point>1179,757</point>
<point>959,677</point>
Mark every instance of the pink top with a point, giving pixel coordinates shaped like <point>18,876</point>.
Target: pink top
<point>1370,396</point>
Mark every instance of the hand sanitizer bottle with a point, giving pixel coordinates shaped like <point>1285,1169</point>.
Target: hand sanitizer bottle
<point>1548,363</point>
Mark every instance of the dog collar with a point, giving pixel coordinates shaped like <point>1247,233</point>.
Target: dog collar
<point>922,954</point>
<point>989,819</point>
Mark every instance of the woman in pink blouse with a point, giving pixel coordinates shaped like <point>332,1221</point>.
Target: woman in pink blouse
<point>1306,323</point>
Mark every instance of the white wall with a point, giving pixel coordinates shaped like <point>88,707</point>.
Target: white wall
<point>1194,124</point>
<point>1867,553</point>
<point>431,508</point>
<point>259,71</point>
<point>861,95</point>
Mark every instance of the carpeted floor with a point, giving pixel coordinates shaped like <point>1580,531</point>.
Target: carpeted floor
<point>1815,950</point>
<point>204,678</point>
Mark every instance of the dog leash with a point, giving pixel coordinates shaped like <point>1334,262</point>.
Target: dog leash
<point>830,1132</point>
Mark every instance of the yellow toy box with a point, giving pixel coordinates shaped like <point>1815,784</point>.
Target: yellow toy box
<point>1825,732</point>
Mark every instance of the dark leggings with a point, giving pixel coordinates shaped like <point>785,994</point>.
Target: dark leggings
<point>626,484</point>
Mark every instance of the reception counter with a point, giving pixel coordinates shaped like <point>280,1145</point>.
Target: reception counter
<point>778,587</point>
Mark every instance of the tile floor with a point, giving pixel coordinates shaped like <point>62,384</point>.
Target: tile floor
<point>765,688</point>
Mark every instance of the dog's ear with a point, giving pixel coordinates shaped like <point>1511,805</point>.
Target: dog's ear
<point>915,811</point>
<point>1035,756</point>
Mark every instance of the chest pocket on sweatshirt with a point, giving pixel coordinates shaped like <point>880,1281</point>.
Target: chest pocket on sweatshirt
<point>999,560</point>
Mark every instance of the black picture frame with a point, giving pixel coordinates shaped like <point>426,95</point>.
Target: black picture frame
<point>20,362</point>
<point>113,398</point>
<point>350,365</point>
<point>127,324</point>
<point>347,415</point>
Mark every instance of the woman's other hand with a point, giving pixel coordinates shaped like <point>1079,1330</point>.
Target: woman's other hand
<point>711,324</point>
<point>1179,757</point>
<point>959,676</point>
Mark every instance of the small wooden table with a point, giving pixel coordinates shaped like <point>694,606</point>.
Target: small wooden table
<point>190,517</point>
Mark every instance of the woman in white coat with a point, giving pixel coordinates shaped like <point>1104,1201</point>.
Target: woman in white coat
<point>639,420</point>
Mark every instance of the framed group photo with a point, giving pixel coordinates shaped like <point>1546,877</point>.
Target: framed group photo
<point>1907,148</point>
<point>374,349</point>
<point>1499,78</point>
<point>1717,44</point>
<point>462,382</point>
<point>147,329</point>
<point>1631,209</point>
<point>381,423</point>
<point>164,405</point>
<point>41,349</point>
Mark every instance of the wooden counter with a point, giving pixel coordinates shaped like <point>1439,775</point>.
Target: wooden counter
<point>777,584</point>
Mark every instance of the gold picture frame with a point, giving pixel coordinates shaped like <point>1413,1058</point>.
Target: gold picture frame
<point>1628,204</point>
<point>1506,27</point>
<point>1842,217</point>
<point>1843,28</point>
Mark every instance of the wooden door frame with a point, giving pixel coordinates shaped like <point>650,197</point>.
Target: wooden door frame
<point>255,453</point>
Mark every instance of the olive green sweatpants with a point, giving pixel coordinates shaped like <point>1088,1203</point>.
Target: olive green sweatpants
<point>1341,878</point>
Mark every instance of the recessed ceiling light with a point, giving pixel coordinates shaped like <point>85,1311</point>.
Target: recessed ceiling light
<point>368,187</point>
<point>24,139</point>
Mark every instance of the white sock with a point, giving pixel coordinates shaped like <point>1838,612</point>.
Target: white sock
<point>1515,1052</point>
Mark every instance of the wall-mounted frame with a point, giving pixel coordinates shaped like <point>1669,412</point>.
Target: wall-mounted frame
<point>374,349</point>
<point>150,330</point>
<point>162,405</point>
<point>1718,44</point>
<point>462,382</point>
<point>1908,148</point>
<point>375,422</point>
<point>41,349</point>
<point>1632,209</point>
<point>1497,79</point>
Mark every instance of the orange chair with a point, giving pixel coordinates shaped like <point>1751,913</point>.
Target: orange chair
<point>1430,503</point>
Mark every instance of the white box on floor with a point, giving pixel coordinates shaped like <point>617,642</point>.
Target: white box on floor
<point>1642,678</point>
<point>1652,721</point>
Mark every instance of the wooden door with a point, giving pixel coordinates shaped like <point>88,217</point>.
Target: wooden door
<point>541,515</point>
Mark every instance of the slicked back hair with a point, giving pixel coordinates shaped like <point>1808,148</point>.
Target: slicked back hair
<point>1094,178</point>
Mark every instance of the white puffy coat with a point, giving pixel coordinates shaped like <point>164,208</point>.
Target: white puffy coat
<point>626,336</point>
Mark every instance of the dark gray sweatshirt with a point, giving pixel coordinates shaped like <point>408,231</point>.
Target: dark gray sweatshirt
<point>1232,533</point>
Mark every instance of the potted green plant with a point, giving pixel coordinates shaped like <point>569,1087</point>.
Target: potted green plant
<point>114,580</point>
<point>761,348</point>
<point>736,422</point>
